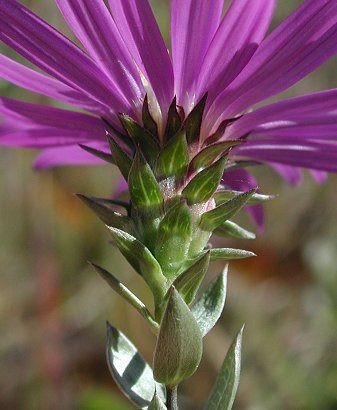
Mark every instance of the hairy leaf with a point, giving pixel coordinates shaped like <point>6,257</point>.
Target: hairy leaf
<point>193,121</point>
<point>129,370</point>
<point>223,393</point>
<point>179,344</point>
<point>174,236</point>
<point>107,215</point>
<point>173,159</point>
<point>121,159</point>
<point>209,307</point>
<point>229,228</point>
<point>229,253</point>
<point>189,281</point>
<point>204,184</point>
<point>211,153</point>
<point>126,294</point>
<point>217,216</point>
<point>142,260</point>
<point>144,190</point>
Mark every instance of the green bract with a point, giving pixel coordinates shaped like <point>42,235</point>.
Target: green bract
<point>175,203</point>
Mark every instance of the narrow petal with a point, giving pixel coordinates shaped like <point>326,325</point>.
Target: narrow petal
<point>193,25</point>
<point>309,116</point>
<point>44,46</point>
<point>141,34</point>
<point>93,25</point>
<point>319,155</point>
<point>295,48</point>
<point>319,176</point>
<point>240,32</point>
<point>70,155</point>
<point>46,137</point>
<point>31,80</point>
<point>293,175</point>
<point>34,114</point>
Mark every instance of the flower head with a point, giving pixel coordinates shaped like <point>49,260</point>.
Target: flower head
<point>230,59</point>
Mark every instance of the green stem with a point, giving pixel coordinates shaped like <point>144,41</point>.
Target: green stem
<point>172,398</point>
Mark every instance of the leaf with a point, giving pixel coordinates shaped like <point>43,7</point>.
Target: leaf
<point>174,121</point>
<point>157,403</point>
<point>229,228</point>
<point>129,370</point>
<point>142,260</point>
<point>113,202</point>
<point>99,154</point>
<point>148,121</point>
<point>174,237</point>
<point>223,393</point>
<point>122,160</point>
<point>193,121</point>
<point>222,196</point>
<point>126,294</point>
<point>141,137</point>
<point>210,153</point>
<point>179,345</point>
<point>209,307</point>
<point>173,159</point>
<point>107,215</point>
<point>229,253</point>
<point>144,189</point>
<point>204,184</point>
<point>217,216</point>
<point>189,281</point>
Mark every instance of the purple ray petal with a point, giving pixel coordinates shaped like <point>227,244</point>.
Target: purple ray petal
<point>93,25</point>
<point>35,114</point>
<point>293,175</point>
<point>45,137</point>
<point>33,81</point>
<point>295,48</point>
<point>308,116</point>
<point>70,155</point>
<point>44,46</point>
<point>121,187</point>
<point>319,155</point>
<point>140,32</point>
<point>193,25</point>
<point>240,32</point>
<point>242,180</point>
<point>319,176</point>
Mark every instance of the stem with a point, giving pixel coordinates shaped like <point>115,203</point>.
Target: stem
<point>172,398</point>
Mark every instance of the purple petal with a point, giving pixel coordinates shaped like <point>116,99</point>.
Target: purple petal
<point>33,81</point>
<point>295,48</point>
<point>44,137</point>
<point>44,46</point>
<point>140,32</point>
<point>242,180</point>
<point>293,175</point>
<point>309,116</point>
<point>240,32</point>
<point>70,155</point>
<point>319,176</point>
<point>121,187</point>
<point>319,155</point>
<point>193,25</point>
<point>35,114</point>
<point>93,25</point>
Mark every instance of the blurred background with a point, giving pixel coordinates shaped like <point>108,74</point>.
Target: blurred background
<point>53,306</point>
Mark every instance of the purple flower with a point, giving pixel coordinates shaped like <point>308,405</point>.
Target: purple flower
<point>125,58</point>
